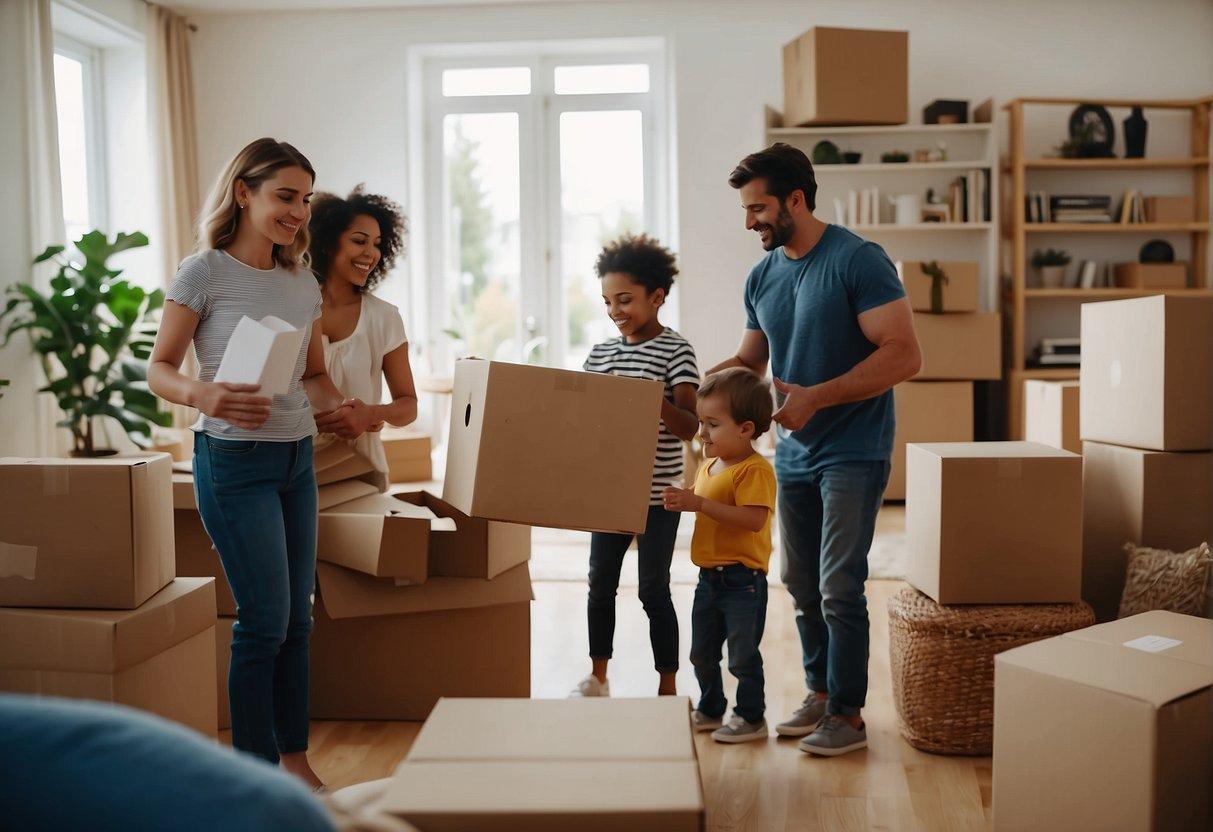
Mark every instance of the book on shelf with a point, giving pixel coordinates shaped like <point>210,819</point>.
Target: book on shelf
<point>1058,360</point>
<point>1132,209</point>
<point>1060,346</point>
<point>860,207</point>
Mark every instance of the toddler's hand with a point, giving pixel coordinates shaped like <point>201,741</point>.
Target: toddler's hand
<point>681,499</point>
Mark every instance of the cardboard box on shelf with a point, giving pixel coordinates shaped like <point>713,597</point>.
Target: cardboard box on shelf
<point>959,292</point>
<point>837,76</point>
<point>1150,498</point>
<point>961,346</point>
<point>1146,365</point>
<point>223,661</point>
<point>477,548</point>
<point>90,533</point>
<point>158,658</point>
<point>1151,275</point>
<point>1169,209</point>
<point>408,454</point>
<point>1050,414</point>
<point>927,411</point>
<point>543,764</point>
<point>994,522</point>
<point>545,447</point>
<point>381,535</point>
<point>380,651</point>
<point>1121,714</point>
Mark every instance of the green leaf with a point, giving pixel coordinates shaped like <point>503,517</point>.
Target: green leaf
<point>48,253</point>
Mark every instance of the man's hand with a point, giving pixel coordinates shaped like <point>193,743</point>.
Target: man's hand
<point>799,406</point>
<point>681,499</point>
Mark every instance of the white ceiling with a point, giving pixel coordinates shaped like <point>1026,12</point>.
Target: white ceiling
<point>213,6</point>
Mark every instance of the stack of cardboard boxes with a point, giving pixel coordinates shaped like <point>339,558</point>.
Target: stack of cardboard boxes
<point>89,603</point>
<point>1050,413</point>
<point>959,345</point>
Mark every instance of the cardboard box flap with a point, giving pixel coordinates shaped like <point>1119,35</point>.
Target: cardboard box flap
<point>390,505</point>
<point>336,460</point>
<point>994,450</point>
<point>556,729</point>
<point>337,493</point>
<point>349,594</point>
<point>106,641</point>
<point>1169,634</point>
<point>579,787</point>
<point>1136,674</point>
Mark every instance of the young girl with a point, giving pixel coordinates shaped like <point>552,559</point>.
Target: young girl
<point>354,243</point>
<point>253,474</point>
<point>636,275</point>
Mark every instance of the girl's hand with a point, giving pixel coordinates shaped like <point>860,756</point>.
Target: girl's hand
<point>681,499</point>
<point>233,403</point>
<point>349,421</point>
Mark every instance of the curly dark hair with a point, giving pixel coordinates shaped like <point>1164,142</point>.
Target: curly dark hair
<point>332,215</point>
<point>647,261</point>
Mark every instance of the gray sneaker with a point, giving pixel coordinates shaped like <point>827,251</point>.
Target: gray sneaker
<point>805,718</point>
<point>834,737</point>
<point>702,722</point>
<point>738,730</point>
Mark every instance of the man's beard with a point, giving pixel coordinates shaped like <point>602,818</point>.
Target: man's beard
<point>781,231</point>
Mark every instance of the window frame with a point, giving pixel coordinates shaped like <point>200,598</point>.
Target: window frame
<point>95,161</point>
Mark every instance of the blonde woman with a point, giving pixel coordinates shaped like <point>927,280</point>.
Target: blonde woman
<point>253,475</point>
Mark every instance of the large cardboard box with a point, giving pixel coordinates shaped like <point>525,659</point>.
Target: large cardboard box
<point>408,454</point>
<point>1150,498</point>
<point>380,535</point>
<point>1107,728</point>
<point>959,291</point>
<point>927,411</point>
<point>158,658</point>
<point>94,533</point>
<point>994,522</point>
<point>846,76</point>
<point>495,764</point>
<point>477,548</point>
<point>380,651</point>
<point>959,346</point>
<point>1146,370</point>
<point>223,662</point>
<point>1050,414</point>
<point>545,447</point>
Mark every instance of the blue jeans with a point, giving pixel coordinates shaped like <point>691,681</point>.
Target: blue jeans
<point>655,550</point>
<point>70,764</point>
<point>730,605</point>
<point>258,504</point>
<point>827,525</point>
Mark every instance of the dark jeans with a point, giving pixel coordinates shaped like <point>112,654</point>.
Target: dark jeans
<point>730,605</point>
<point>655,550</point>
<point>827,525</point>
<point>258,504</point>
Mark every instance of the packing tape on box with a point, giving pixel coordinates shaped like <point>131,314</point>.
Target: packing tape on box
<point>1009,469</point>
<point>18,561</point>
<point>569,382</point>
<point>56,480</point>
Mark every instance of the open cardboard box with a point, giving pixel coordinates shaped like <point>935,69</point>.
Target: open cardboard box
<point>382,536</point>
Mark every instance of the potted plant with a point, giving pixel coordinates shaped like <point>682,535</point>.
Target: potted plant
<point>1051,265</point>
<point>93,333</point>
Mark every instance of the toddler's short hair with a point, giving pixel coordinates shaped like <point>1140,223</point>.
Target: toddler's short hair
<point>749,396</point>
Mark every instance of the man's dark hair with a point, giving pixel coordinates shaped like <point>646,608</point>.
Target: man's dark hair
<point>332,215</point>
<point>784,168</point>
<point>647,261</point>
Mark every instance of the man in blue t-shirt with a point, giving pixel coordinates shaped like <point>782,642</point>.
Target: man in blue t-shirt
<point>826,309</point>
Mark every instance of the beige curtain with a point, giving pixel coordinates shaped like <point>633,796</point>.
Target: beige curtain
<point>174,143</point>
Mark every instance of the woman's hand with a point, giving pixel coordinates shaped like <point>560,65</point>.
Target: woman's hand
<point>681,499</point>
<point>233,403</point>
<point>354,418</point>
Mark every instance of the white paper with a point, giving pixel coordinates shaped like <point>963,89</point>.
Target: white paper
<point>261,352</point>
<point>1153,644</point>
<point>391,507</point>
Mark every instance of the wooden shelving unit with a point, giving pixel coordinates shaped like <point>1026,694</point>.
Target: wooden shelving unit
<point>1019,298</point>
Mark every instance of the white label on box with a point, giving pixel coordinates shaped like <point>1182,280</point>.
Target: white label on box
<point>1153,644</point>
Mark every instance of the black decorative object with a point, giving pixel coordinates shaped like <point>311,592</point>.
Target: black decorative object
<point>1156,251</point>
<point>1091,132</point>
<point>895,157</point>
<point>1135,134</point>
<point>852,157</point>
<point>946,111</point>
<point>825,152</point>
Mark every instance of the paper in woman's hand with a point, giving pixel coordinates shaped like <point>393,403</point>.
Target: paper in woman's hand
<point>261,352</point>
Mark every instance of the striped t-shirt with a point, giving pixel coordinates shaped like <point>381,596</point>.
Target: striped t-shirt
<point>668,358</point>
<point>222,290</point>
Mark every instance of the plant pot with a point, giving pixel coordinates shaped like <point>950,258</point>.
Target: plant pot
<point>1052,277</point>
<point>852,157</point>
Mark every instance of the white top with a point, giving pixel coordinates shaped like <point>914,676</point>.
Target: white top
<point>355,363</point>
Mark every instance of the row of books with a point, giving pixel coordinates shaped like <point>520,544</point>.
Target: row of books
<point>969,197</point>
<point>859,208</point>
<point>1058,352</point>
<point>1084,208</point>
<point>1089,274</point>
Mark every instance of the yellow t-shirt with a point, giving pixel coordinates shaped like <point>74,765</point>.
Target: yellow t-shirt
<point>750,482</point>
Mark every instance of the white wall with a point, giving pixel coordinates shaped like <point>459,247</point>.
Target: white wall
<point>334,84</point>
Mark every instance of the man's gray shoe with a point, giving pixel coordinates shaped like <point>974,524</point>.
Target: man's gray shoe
<point>738,730</point>
<point>833,737</point>
<point>702,722</point>
<point>805,719</point>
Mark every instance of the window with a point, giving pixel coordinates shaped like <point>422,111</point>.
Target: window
<point>81,151</point>
<point>532,163</point>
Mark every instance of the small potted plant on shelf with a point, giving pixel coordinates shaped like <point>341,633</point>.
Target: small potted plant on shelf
<point>1051,264</point>
<point>938,280</point>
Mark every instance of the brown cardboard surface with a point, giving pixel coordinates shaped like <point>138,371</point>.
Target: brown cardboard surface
<point>959,292</point>
<point>1146,365</point>
<point>196,557</point>
<point>1150,498</point>
<point>1050,414</point>
<point>368,535</point>
<point>1151,275</point>
<point>927,411</point>
<point>545,447</point>
<point>478,548</point>
<point>349,594</point>
<point>846,76</point>
<point>183,491</point>
<point>408,454</point>
<point>336,460</point>
<point>328,496</point>
<point>223,661</point>
<point>94,533</point>
<point>994,522</point>
<point>960,346</point>
<point>1169,209</point>
<point>1195,635</point>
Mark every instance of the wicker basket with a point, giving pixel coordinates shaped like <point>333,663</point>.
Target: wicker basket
<point>942,662</point>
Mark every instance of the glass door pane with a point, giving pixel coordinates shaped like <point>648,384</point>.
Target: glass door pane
<point>73,147</point>
<point>601,197</point>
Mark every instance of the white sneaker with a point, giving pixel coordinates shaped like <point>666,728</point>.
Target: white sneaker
<point>590,686</point>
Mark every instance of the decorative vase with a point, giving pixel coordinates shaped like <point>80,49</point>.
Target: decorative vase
<point>1052,277</point>
<point>1135,134</point>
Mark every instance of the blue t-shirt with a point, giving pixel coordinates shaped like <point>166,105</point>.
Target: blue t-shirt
<point>808,310</point>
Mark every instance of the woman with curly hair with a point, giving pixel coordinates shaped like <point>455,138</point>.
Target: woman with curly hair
<point>354,242</point>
